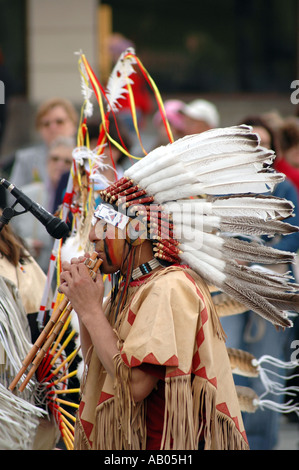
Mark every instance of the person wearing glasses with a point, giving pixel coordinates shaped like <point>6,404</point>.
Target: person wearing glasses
<point>58,161</point>
<point>55,117</point>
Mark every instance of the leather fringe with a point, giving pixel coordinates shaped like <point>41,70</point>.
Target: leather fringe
<point>182,428</point>
<point>80,441</point>
<point>130,431</point>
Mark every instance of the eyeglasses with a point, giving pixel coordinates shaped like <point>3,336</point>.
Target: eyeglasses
<point>57,121</point>
<point>56,158</point>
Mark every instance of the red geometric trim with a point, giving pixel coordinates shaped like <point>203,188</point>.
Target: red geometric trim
<point>149,359</point>
<point>204,315</point>
<point>131,317</point>
<point>125,359</point>
<point>200,337</point>
<point>194,283</point>
<point>104,396</point>
<point>195,361</point>
<point>203,373</point>
<point>134,362</point>
<point>87,426</point>
<point>87,429</point>
<point>177,373</point>
<point>81,408</point>
<point>236,421</point>
<point>243,434</point>
<point>222,407</point>
<point>171,362</point>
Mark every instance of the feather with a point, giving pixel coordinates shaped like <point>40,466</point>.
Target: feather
<point>194,239</point>
<point>265,283</point>
<point>119,79</point>
<point>86,91</point>
<point>238,182</point>
<point>212,274</point>
<point>262,206</point>
<point>259,275</point>
<point>208,158</point>
<point>256,302</point>
<point>258,183</point>
<point>217,162</point>
<point>255,226</point>
<point>228,173</point>
<point>196,235</point>
<point>210,143</point>
<point>248,399</point>
<point>261,297</point>
<point>252,251</point>
<point>242,363</point>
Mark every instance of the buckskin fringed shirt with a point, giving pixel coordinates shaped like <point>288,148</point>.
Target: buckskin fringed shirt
<point>168,327</point>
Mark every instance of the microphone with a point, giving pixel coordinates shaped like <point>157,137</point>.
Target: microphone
<point>54,226</point>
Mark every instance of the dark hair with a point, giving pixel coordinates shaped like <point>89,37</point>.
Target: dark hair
<point>289,133</point>
<point>259,121</point>
<point>12,246</point>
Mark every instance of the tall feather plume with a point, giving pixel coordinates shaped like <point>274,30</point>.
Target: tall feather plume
<point>86,90</point>
<point>229,175</point>
<point>119,79</point>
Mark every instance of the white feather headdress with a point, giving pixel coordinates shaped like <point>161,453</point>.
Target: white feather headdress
<point>200,196</point>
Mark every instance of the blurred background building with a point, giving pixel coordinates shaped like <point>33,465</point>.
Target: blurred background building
<point>241,55</point>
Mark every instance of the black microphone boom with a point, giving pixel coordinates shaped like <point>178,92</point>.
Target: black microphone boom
<point>54,226</point>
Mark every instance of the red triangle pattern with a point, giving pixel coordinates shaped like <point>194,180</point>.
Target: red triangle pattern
<point>203,373</point>
<point>131,317</point>
<point>222,407</point>
<point>195,361</point>
<point>87,426</point>
<point>194,283</point>
<point>177,373</point>
<point>81,407</point>
<point>124,358</point>
<point>104,396</point>
<point>200,337</point>
<point>149,359</point>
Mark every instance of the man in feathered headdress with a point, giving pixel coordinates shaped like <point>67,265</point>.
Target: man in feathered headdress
<point>158,372</point>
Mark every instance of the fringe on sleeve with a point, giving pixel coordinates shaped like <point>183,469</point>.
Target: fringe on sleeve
<point>129,433</point>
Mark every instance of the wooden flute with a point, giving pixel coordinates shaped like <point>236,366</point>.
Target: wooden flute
<point>50,331</point>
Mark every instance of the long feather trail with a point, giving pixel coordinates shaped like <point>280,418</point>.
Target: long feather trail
<point>210,256</point>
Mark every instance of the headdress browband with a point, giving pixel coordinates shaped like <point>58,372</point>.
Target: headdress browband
<point>128,204</point>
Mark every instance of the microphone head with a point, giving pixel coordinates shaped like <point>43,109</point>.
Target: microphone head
<point>57,228</point>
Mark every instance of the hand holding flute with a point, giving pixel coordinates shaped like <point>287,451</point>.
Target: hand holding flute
<point>55,324</point>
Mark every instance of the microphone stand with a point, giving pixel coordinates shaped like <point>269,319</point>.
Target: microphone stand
<point>8,213</point>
